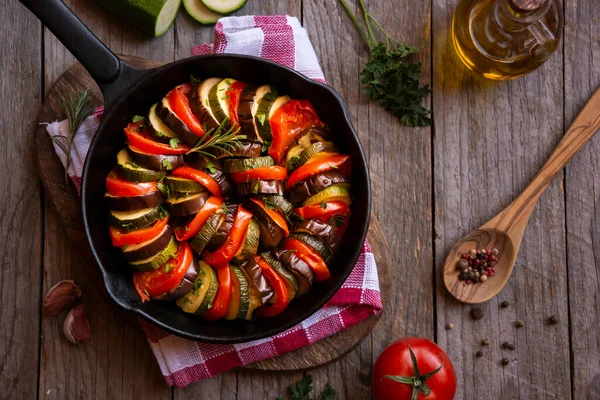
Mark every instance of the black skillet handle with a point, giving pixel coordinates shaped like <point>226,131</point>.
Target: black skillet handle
<point>112,74</point>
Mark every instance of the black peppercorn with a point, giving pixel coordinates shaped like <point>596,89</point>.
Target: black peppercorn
<point>476,279</point>
<point>504,304</point>
<point>479,354</point>
<point>505,345</point>
<point>505,361</point>
<point>553,320</point>
<point>463,276</point>
<point>477,313</point>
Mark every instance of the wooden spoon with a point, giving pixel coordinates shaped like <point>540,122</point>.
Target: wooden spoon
<point>505,231</point>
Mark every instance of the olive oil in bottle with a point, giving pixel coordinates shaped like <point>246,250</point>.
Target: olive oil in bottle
<point>506,39</point>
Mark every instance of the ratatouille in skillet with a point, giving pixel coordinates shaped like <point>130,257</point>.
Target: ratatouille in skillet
<point>228,199</point>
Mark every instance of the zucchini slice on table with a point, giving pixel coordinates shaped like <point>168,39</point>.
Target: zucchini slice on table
<point>131,220</point>
<point>290,279</point>
<point>152,17</point>
<point>266,107</point>
<point>206,233</point>
<point>244,303</point>
<point>200,12</point>
<point>218,99</point>
<point>156,161</point>
<point>205,282</point>
<point>132,171</point>
<point>146,249</point>
<point>201,105</point>
<point>316,243</point>
<point>183,185</point>
<point>158,259</point>
<point>166,114</point>
<point>186,204</point>
<point>224,6</point>
<point>157,128</point>
<point>245,164</point>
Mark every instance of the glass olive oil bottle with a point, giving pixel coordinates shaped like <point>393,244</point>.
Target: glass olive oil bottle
<point>506,39</point>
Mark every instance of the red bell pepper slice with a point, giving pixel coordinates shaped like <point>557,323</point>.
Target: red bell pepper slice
<point>200,176</point>
<point>235,239</point>
<point>281,296</point>
<point>275,216</point>
<point>153,284</point>
<point>180,104</point>
<point>288,121</point>
<point>139,138</point>
<point>189,231</point>
<point>320,165</point>
<point>332,208</point>
<point>234,101</point>
<point>309,256</point>
<point>274,173</point>
<point>116,186</point>
<point>121,238</point>
<point>222,298</point>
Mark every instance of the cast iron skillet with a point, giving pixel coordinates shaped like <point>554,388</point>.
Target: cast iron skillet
<point>128,91</point>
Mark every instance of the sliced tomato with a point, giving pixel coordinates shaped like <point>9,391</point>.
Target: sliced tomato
<point>121,238</point>
<point>139,138</point>
<point>180,104</point>
<point>281,297</point>
<point>233,242</point>
<point>319,165</point>
<point>274,173</point>
<point>166,278</point>
<point>234,101</point>
<point>200,176</point>
<point>189,231</point>
<point>222,298</point>
<point>309,256</point>
<point>323,214</point>
<point>116,186</point>
<point>275,216</point>
<point>288,121</point>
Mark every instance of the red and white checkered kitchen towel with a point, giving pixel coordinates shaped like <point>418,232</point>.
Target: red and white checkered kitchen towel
<point>281,39</point>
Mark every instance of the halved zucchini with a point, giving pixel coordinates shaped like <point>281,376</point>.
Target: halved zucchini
<point>206,233</point>
<point>218,98</point>
<point>131,171</point>
<point>183,185</point>
<point>290,279</point>
<point>157,129</point>
<point>155,261</point>
<point>131,220</point>
<point>200,12</point>
<point>250,246</point>
<point>224,6</point>
<point>245,164</point>
<point>152,17</point>
<point>200,104</point>
<point>332,193</point>
<point>186,204</point>
<point>150,247</point>
<point>190,303</point>
<point>244,303</point>
<point>236,296</point>
<point>316,243</point>
<point>265,110</point>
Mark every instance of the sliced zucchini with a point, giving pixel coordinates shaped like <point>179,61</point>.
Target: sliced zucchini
<point>183,185</point>
<point>150,247</point>
<point>314,149</point>
<point>132,171</point>
<point>250,246</point>
<point>245,164</point>
<point>255,295</point>
<point>236,296</point>
<point>190,303</point>
<point>224,6</point>
<point>265,110</point>
<point>200,12</point>
<point>200,104</point>
<point>186,204</point>
<point>213,287</point>
<point>206,233</point>
<point>152,17</point>
<point>290,279</point>
<point>331,193</point>
<point>153,262</point>
<point>315,243</point>
<point>258,96</point>
<point>157,129</point>
<point>218,98</point>
<point>131,220</point>
<point>280,203</point>
<point>244,306</point>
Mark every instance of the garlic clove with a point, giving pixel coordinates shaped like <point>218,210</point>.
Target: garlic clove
<point>60,297</point>
<point>77,326</point>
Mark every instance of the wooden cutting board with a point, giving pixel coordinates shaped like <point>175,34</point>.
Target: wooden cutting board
<point>64,198</point>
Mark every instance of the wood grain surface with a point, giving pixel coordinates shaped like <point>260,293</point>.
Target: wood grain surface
<point>431,187</point>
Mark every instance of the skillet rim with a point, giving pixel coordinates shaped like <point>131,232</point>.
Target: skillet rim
<point>144,76</point>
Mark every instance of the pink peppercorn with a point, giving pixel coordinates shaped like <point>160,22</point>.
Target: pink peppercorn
<point>464,256</point>
<point>488,252</point>
<point>468,281</point>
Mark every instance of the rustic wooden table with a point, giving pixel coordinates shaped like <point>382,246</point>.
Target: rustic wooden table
<point>431,186</point>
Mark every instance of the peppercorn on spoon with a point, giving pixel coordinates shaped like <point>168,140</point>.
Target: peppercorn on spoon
<point>505,231</point>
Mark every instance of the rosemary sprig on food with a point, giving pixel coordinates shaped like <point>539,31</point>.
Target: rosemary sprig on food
<point>217,139</point>
<point>389,79</point>
<point>77,106</point>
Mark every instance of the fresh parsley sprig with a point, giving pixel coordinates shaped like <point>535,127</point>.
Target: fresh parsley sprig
<point>218,139</point>
<point>389,78</point>
<point>301,390</point>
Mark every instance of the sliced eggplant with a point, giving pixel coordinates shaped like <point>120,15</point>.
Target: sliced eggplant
<point>250,246</point>
<point>183,185</point>
<point>255,273</point>
<point>314,185</point>
<point>133,203</point>
<point>322,230</point>
<point>200,104</point>
<point>156,128</point>
<point>266,107</point>
<point>221,235</point>
<point>187,283</point>
<point>213,287</point>
<point>182,204</point>
<point>155,161</point>
<point>316,243</point>
<point>244,112</point>
<point>131,220</point>
<point>271,234</point>
<point>245,164</point>
<point>255,299</point>
<point>260,187</point>
<point>246,150</point>
<point>280,204</point>
<point>207,231</point>
<point>290,279</point>
<point>132,171</point>
<point>150,247</point>
<point>158,259</point>
<point>305,274</point>
<point>170,119</point>
<point>205,278</point>
<point>218,98</point>
<point>238,308</point>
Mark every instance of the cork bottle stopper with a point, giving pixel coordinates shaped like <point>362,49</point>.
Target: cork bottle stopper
<point>528,5</point>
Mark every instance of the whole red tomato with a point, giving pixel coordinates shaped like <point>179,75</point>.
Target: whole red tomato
<point>395,375</point>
